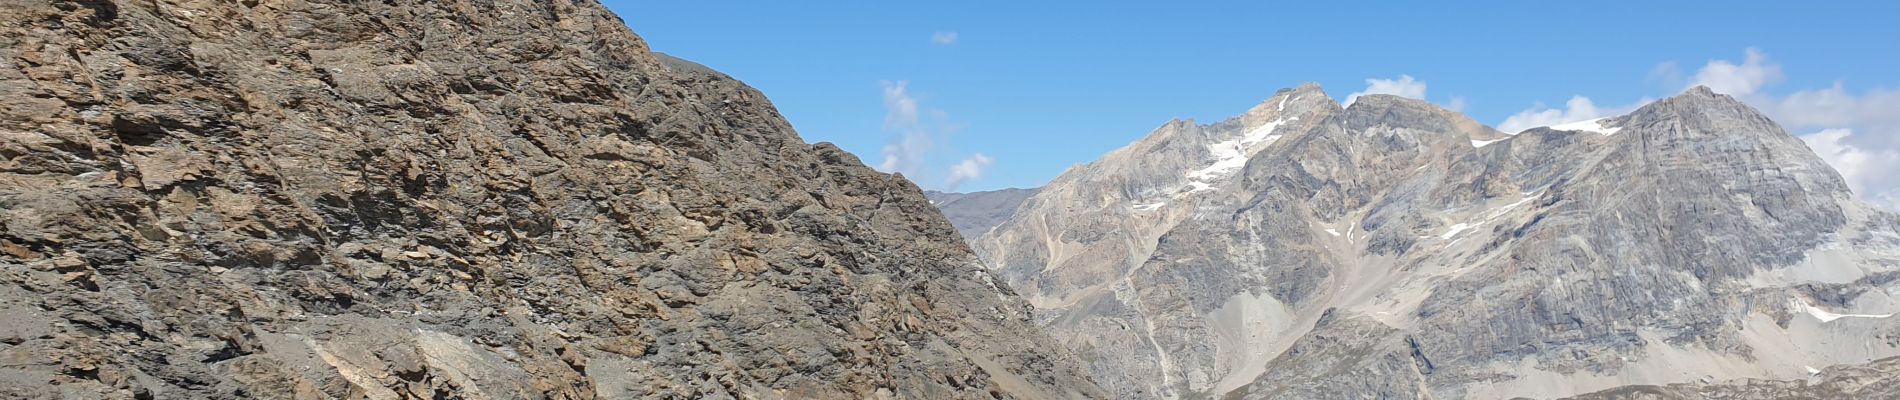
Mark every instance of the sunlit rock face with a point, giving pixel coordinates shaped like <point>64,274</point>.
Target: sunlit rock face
<point>1393,249</point>
<point>502,199</point>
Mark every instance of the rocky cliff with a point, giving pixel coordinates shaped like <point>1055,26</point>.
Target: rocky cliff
<point>498,199</point>
<point>1393,249</point>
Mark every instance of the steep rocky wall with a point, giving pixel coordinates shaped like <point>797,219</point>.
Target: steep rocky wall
<point>478,199</point>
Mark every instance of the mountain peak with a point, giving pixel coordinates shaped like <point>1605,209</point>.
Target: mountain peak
<point>1387,100</point>
<point>1703,94</point>
<point>1704,105</point>
<point>1700,90</point>
<point>1383,109</point>
<point>1292,101</point>
<point>1306,87</point>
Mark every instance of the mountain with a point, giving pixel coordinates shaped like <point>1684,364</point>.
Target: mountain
<point>498,199</point>
<point>975,213</point>
<point>1394,249</point>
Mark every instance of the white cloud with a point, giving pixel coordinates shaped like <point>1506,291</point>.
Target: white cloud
<point>1858,135</point>
<point>906,151</point>
<point>1405,86</point>
<point>900,109</point>
<point>1743,80</point>
<point>944,37</point>
<point>1579,108</point>
<point>917,134</point>
<point>969,170</point>
<point>1457,104</point>
<point>1875,115</point>
<point>1869,172</point>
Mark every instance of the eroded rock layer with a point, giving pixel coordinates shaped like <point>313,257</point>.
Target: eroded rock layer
<point>494,199</point>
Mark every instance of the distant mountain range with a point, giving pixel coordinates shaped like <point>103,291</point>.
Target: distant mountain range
<point>975,213</point>
<point>1394,249</point>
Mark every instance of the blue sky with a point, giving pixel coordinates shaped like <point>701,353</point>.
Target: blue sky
<point>1038,86</point>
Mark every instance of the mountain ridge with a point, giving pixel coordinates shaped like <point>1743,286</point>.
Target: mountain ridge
<point>1355,221</point>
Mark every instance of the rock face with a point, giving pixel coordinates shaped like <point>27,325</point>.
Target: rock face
<point>1393,249</point>
<point>407,199</point>
<point>974,213</point>
<point>1876,380</point>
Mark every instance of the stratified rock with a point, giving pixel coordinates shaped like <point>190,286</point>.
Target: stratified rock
<point>500,199</point>
<point>1875,380</point>
<point>1394,249</point>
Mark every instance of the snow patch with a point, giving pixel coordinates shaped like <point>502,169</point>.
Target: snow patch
<point>1455,229</point>
<point>1489,216</point>
<point>1149,206</point>
<point>1231,154</point>
<point>1332,231</point>
<point>1228,156</point>
<point>1482,143</point>
<point>1507,207</point>
<point>1282,104</point>
<point>1826,316</point>
<point>1593,125</point>
<point>1811,370</point>
<point>1264,133</point>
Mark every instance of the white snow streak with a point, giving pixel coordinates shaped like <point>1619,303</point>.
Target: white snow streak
<point>1461,227</point>
<point>1482,143</point>
<point>1493,215</point>
<point>1231,154</point>
<point>1826,316</point>
<point>1593,125</point>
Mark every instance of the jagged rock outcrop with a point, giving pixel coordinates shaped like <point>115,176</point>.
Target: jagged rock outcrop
<point>1393,249</point>
<point>500,199</point>
<point>975,213</point>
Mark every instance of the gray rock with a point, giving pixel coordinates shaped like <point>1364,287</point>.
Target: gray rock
<point>975,213</point>
<point>1394,249</point>
<point>1875,380</point>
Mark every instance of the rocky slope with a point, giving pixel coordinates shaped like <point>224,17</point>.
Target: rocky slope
<point>406,199</point>
<point>1876,380</point>
<point>1393,249</point>
<point>974,213</point>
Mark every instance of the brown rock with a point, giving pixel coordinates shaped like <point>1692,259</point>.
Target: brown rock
<point>330,199</point>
